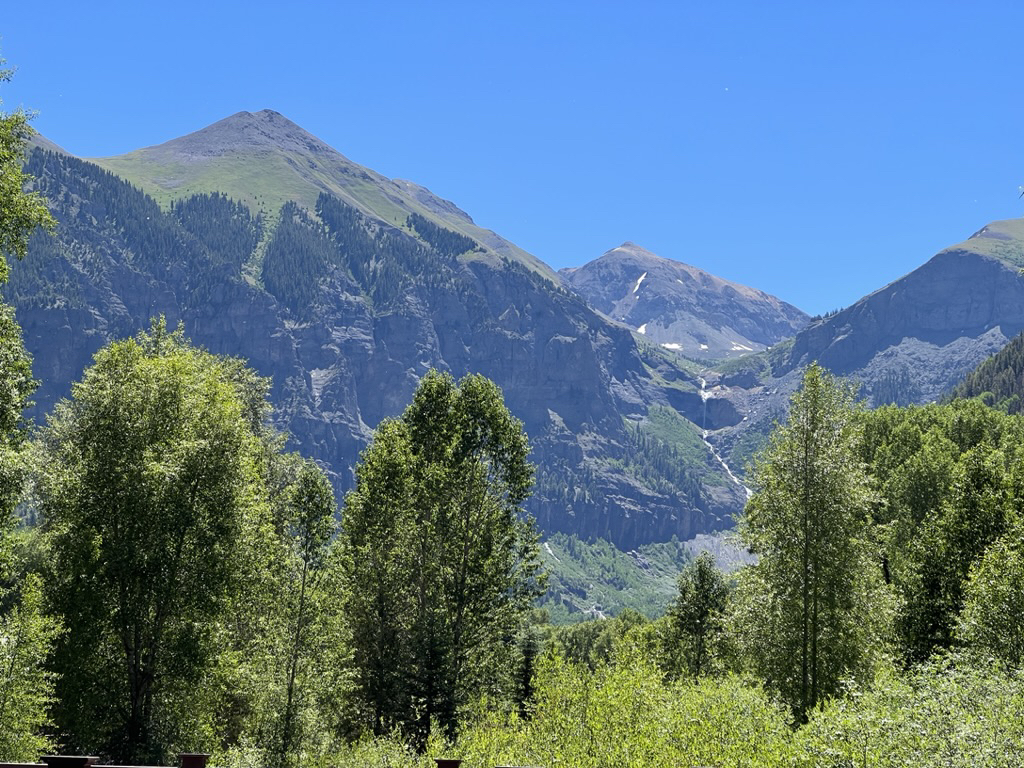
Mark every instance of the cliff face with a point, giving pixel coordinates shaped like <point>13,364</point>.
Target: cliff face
<point>346,311</point>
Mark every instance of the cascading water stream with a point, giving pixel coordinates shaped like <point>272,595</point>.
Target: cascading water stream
<point>704,395</point>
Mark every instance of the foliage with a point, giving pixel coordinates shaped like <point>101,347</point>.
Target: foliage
<point>308,527</point>
<point>949,711</point>
<point>16,386</point>
<point>999,379</point>
<point>812,612</point>
<point>992,619</point>
<point>595,642</point>
<point>446,242</point>
<point>21,212</point>
<point>26,687</point>
<point>698,617</point>
<point>624,714</point>
<point>152,470</point>
<point>439,567</point>
<point>950,479</point>
<point>26,634</point>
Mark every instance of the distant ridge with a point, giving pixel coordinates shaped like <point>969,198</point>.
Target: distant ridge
<point>913,339</point>
<point>681,307</point>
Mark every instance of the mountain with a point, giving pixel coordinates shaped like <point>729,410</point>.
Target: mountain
<point>907,343</point>
<point>264,160</point>
<point>918,336</point>
<point>345,287</point>
<point>683,308</point>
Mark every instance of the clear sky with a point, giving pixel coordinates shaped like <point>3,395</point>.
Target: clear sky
<point>815,150</point>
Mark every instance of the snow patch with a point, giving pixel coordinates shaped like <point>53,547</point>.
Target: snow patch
<point>703,346</point>
<point>737,347</point>
<point>642,328</point>
<point>637,286</point>
<point>671,345</point>
<point>548,548</point>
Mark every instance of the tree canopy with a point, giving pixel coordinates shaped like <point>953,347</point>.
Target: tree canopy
<point>439,565</point>
<point>151,470</point>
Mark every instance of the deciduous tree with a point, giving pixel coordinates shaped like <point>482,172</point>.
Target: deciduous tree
<point>440,566</point>
<point>26,635</point>
<point>151,469</point>
<point>812,610</point>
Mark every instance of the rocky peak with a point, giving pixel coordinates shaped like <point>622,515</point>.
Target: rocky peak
<point>682,307</point>
<point>246,132</point>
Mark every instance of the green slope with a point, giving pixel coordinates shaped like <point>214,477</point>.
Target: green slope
<point>264,160</point>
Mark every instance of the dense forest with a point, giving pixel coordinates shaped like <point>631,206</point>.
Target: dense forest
<point>173,580</point>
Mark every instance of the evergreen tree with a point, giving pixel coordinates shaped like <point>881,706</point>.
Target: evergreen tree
<point>698,615</point>
<point>812,609</point>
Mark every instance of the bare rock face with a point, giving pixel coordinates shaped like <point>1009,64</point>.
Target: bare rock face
<point>682,308</point>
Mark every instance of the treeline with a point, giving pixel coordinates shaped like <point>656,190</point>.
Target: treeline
<point>444,241</point>
<point>226,227</point>
<point>880,625</point>
<point>197,245</point>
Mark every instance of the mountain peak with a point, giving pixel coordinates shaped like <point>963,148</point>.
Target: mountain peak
<point>246,132</point>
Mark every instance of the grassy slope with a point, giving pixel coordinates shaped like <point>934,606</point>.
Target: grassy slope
<point>1003,240</point>
<point>265,180</point>
<point>588,580</point>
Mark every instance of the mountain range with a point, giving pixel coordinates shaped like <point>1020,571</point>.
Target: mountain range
<point>345,287</point>
<point>645,384</point>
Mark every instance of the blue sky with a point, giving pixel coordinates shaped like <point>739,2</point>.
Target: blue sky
<point>814,150</point>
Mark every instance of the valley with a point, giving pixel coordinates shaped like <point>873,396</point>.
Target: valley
<point>646,385</point>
